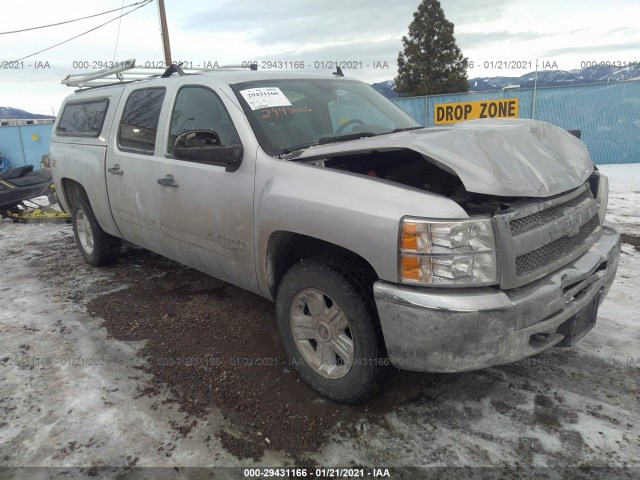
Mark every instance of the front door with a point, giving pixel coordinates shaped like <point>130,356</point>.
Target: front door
<point>205,214</point>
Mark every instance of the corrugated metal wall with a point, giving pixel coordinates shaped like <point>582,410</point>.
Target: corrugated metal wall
<point>25,144</point>
<point>608,115</point>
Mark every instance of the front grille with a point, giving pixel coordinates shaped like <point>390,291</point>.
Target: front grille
<point>539,238</point>
<point>542,217</point>
<point>547,254</point>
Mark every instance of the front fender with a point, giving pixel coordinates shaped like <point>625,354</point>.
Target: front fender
<point>356,212</point>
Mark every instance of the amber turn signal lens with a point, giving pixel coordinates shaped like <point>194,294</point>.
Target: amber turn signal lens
<point>410,268</point>
<point>410,236</point>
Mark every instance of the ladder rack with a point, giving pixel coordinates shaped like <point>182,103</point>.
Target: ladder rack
<point>91,79</point>
<point>115,75</point>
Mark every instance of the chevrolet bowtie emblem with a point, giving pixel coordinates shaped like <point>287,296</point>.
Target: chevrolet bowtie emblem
<point>573,220</point>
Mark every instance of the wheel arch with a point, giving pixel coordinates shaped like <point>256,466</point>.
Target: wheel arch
<point>70,190</point>
<point>285,249</point>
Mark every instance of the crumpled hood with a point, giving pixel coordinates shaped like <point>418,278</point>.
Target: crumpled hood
<point>504,157</point>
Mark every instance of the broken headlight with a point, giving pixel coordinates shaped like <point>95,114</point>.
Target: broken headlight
<point>602,196</point>
<point>447,253</point>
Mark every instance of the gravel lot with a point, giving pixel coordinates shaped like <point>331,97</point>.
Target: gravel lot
<point>148,363</point>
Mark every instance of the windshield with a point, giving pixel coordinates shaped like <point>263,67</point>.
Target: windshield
<point>291,115</point>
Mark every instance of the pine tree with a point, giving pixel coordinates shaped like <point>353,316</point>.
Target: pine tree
<point>432,62</point>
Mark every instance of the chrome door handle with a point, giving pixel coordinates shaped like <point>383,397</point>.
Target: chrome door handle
<point>168,181</point>
<point>115,170</point>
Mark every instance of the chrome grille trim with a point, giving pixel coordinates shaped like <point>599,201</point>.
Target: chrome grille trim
<point>551,252</point>
<point>539,238</point>
<point>523,224</point>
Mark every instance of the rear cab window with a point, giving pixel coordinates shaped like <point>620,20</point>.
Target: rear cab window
<point>83,119</point>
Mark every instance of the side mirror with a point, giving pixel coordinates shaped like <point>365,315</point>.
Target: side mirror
<point>204,146</point>
<point>575,133</point>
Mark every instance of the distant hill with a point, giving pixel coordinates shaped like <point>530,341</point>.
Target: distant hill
<point>554,78</point>
<point>9,112</point>
<point>388,88</point>
<point>546,78</point>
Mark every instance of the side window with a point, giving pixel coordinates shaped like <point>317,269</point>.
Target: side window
<point>198,108</point>
<point>139,124</point>
<point>83,119</point>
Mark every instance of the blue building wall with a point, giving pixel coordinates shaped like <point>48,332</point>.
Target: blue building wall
<point>25,144</point>
<point>608,115</point>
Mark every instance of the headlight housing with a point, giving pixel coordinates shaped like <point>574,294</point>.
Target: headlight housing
<point>603,196</point>
<point>447,253</point>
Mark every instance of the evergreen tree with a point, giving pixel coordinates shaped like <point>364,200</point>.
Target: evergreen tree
<point>431,62</point>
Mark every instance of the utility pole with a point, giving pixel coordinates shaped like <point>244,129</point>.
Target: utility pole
<point>535,90</point>
<point>164,33</point>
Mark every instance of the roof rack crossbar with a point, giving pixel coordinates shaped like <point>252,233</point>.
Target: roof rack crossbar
<point>116,75</point>
<point>87,79</point>
<point>251,66</point>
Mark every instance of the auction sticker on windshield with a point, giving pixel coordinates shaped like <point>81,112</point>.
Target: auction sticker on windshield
<point>265,97</point>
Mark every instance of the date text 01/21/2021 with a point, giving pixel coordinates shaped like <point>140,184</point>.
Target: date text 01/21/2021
<point>21,65</point>
<point>301,472</point>
<point>262,64</point>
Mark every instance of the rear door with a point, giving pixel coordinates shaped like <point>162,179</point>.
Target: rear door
<point>131,166</point>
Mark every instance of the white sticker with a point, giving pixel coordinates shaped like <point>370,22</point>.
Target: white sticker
<point>265,97</point>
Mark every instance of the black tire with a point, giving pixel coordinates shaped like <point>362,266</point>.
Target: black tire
<point>104,249</point>
<point>348,285</point>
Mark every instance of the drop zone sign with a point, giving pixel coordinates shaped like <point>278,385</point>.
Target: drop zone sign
<point>444,113</point>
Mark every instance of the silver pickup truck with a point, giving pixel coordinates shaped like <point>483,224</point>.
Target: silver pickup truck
<point>383,244</point>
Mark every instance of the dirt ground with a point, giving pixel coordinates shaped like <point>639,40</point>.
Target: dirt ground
<point>210,352</point>
<point>151,364</point>
<point>631,239</point>
<point>212,343</point>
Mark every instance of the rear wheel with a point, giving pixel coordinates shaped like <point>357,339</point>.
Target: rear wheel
<point>329,327</point>
<point>97,247</point>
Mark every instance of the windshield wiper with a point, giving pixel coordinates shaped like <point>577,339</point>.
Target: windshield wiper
<point>345,138</point>
<point>396,130</point>
<point>304,146</point>
<point>326,140</point>
<point>341,138</point>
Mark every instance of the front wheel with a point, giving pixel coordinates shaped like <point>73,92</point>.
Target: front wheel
<point>97,247</point>
<point>330,329</point>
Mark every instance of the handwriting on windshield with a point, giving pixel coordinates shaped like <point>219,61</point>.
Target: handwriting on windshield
<point>283,111</point>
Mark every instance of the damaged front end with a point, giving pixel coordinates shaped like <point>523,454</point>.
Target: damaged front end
<point>534,235</point>
<point>532,281</point>
<point>554,263</point>
<point>499,157</point>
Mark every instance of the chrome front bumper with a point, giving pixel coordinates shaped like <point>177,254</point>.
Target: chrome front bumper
<point>453,330</point>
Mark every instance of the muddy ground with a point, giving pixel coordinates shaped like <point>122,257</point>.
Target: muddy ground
<point>201,362</point>
<point>212,343</point>
<point>631,239</point>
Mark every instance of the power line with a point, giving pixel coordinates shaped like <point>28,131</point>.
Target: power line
<point>144,3</point>
<point>69,21</point>
<point>118,35</point>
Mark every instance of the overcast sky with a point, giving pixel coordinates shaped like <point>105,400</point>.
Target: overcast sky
<point>367,32</point>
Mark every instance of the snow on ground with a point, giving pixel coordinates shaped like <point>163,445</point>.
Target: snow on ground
<point>68,393</point>
<point>566,407</point>
<point>624,196</point>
